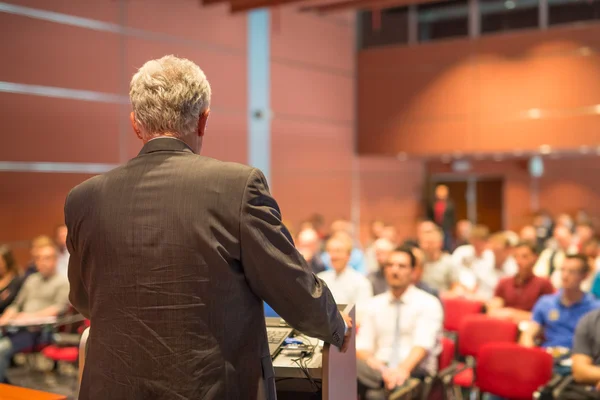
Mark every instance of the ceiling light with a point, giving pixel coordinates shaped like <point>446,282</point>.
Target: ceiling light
<point>509,4</point>
<point>545,149</point>
<point>596,109</point>
<point>534,113</point>
<point>585,51</point>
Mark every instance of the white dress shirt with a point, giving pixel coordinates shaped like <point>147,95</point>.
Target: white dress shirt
<point>348,287</point>
<point>488,276</point>
<point>62,263</point>
<point>469,263</point>
<point>421,319</point>
<point>542,266</point>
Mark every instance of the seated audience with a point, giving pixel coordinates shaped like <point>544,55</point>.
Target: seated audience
<point>36,243</point>
<point>502,265</point>
<point>347,285</point>
<point>383,248</point>
<point>586,351</point>
<point>63,253</point>
<point>584,232</point>
<point>463,233</point>
<point>467,257</point>
<point>357,257</point>
<point>418,273</point>
<point>309,245</point>
<point>556,315</point>
<point>399,336</point>
<point>10,281</point>
<point>44,294</point>
<point>548,265</point>
<point>515,296</point>
<point>439,272</point>
<point>529,234</point>
<point>590,249</point>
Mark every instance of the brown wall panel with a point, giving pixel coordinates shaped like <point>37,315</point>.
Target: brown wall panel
<point>390,190</point>
<point>49,129</point>
<point>51,54</point>
<point>103,10</point>
<point>480,93</point>
<point>324,45</point>
<point>210,27</point>
<point>304,92</point>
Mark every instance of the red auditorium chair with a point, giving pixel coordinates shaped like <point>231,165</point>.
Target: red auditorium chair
<point>455,309</point>
<point>432,385</point>
<point>68,354</point>
<point>476,331</point>
<point>512,371</point>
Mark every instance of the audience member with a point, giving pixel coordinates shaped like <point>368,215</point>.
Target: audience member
<point>439,272</point>
<point>376,233</point>
<point>586,354</point>
<point>548,265</point>
<point>467,257</point>
<point>528,234</point>
<point>309,245</point>
<point>347,285</point>
<point>418,273</point>
<point>63,253</point>
<point>10,281</point>
<point>44,294</point>
<point>383,248</point>
<point>463,233</point>
<point>502,265</point>
<point>584,232</point>
<point>399,336</point>
<point>542,221</point>
<point>565,220</point>
<point>357,257</point>
<point>390,233</point>
<point>37,243</point>
<point>556,315</point>
<point>442,212</point>
<point>515,296</point>
<point>590,249</point>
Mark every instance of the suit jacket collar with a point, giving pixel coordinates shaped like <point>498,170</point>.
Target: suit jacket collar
<point>165,144</point>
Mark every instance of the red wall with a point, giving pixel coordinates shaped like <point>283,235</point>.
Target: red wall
<point>474,96</point>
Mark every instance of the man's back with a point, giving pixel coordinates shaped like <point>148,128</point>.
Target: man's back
<point>170,251</point>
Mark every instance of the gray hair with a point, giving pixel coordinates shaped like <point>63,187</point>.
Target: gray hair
<point>168,95</point>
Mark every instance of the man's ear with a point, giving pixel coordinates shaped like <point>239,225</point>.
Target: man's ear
<point>135,126</point>
<point>202,122</point>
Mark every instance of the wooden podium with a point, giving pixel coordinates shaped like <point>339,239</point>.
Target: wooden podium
<point>335,371</point>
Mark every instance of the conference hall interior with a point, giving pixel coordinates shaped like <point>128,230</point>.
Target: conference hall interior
<point>456,141</point>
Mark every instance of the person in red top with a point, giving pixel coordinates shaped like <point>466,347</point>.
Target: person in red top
<point>441,211</point>
<point>515,296</point>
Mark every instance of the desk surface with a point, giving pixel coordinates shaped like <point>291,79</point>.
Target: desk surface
<point>9,392</point>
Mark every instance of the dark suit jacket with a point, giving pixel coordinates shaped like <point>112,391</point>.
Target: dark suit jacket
<point>171,257</point>
<point>449,215</point>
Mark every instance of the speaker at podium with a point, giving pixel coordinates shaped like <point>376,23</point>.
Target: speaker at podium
<point>305,367</point>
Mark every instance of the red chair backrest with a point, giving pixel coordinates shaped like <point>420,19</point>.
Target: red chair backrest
<point>512,371</point>
<point>447,355</point>
<point>477,330</point>
<point>456,309</point>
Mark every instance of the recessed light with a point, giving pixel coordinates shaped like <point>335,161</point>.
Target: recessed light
<point>596,109</point>
<point>509,4</point>
<point>402,156</point>
<point>585,51</point>
<point>534,113</point>
<point>545,149</point>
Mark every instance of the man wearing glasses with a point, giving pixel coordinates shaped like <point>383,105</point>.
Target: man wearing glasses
<point>399,335</point>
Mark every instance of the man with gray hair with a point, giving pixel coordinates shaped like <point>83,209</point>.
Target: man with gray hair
<point>172,255</point>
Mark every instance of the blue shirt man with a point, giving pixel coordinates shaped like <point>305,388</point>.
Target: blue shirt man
<point>556,315</point>
<point>559,320</point>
